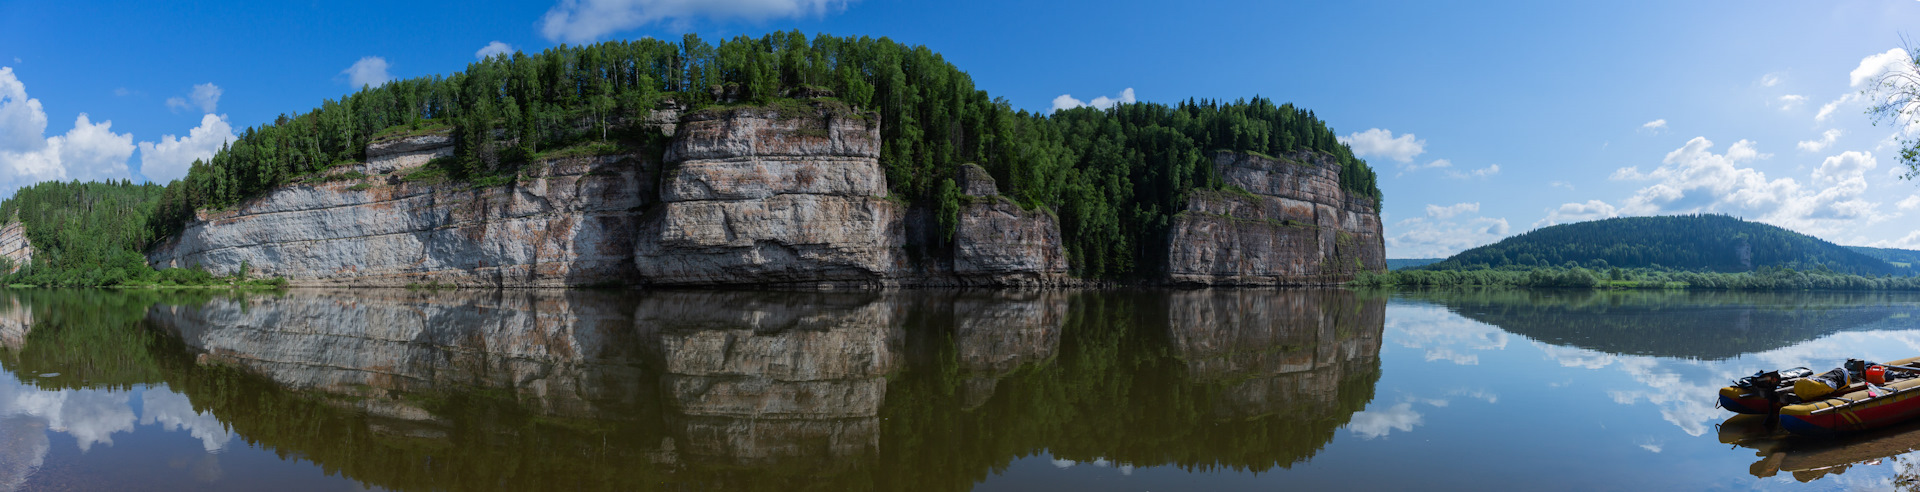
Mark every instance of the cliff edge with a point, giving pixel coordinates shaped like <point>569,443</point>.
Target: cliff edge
<point>1288,222</point>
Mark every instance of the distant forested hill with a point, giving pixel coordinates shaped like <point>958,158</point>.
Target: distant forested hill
<point>1715,243</point>
<point>1399,263</point>
<point>1904,258</point>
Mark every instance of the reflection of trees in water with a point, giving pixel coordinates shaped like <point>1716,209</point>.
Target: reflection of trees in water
<point>860,391</point>
<point>1687,324</point>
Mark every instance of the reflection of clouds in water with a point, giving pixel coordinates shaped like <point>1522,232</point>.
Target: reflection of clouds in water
<point>23,447</point>
<point>90,416</point>
<point>1686,391</point>
<point>173,411</point>
<point>1124,468</point>
<point>1442,334</point>
<point>1370,423</point>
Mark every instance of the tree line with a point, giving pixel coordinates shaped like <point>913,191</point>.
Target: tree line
<point>1709,243</point>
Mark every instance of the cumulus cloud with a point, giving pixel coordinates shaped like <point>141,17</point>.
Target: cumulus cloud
<point>170,158</point>
<point>1909,203</point>
<point>1791,101</point>
<point>1867,73</point>
<point>1376,142</point>
<point>22,121</point>
<point>370,71</point>
<point>205,96</point>
<point>493,48</point>
<point>1826,140</point>
<point>1476,173</point>
<point>582,21</point>
<point>1693,179</point>
<point>1449,211</point>
<point>1438,237</point>
<point>1066,101</point>
<point>1578,212</point>
<point>1654,126</point>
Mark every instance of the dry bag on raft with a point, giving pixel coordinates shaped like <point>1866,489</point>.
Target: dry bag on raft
<point>1814,388</point>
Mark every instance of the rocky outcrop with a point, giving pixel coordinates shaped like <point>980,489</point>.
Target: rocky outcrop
<point>755,195</point>
<point>567,221</point>
<point>1287,222</point>
<point>997,334</point>
<point>14,245</point>
<point>406,152</point>
<point>996,242</point>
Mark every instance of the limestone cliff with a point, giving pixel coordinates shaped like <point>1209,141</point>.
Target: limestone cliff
<point>565,221</point>
<point>14,245</point>
<point>1294,225</point>
<point>755,195</point>
<point>998,243</point>
<point>1279,352</point>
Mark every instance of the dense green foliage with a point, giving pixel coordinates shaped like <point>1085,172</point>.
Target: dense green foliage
<point>92,234</point>
<point>1711,243</point>
<point>1115,176</point>
<point>1766,278</point>
<point>1903,258</point>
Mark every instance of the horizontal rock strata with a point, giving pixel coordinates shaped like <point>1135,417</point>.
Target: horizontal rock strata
<point>14,245</point>
<point>1294,225</point>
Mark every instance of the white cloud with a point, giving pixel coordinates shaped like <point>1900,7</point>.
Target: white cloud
<point>1909,203</point>
<point>1449,211</point>
<point>1826,140</point>
<point>1561,184</point>
<point>89,151</point>
<point>1826,110</point>
<point>1693,179</point>
<point>493,48</point>
<point>1101,102</point>
<point>1790,101</point>
<point>1871,67</point>
<point>173,411</point>
<point>1770,80</point>
<point>1578,212</point>
<point>1066,101</point>
<point>172,156</point>
<point>205,96</point>
<point>582,21</point>
<point>1476,173</point>
<point>370,71</point>
<point>1910,241</point>
<point>1655,126</point>
<point>1377,142</point>
<point>23,124</point>
<point>1422,237</point>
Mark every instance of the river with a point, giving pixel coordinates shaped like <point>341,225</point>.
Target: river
<point>924,390</point>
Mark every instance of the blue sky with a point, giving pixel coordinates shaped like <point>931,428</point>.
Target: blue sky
<point>1484,120</point>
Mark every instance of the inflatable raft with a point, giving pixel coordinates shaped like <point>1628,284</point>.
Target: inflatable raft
<point>1747,395</point>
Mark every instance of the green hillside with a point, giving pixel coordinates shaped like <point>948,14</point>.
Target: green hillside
<point>1904,258</point>
<point>1712,243</point>
<point>1405,263</point>
<point>1115,177</point>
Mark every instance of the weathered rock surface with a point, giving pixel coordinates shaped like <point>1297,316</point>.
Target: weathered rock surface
<point>569,221</point>
<point>1295,227</point>
<point>998,243</point>
<point>998,334</point>
<point>406,153</point>
<point>14,245</point>
<point>754,196</point>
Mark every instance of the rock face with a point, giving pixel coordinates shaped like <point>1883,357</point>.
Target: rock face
<point>568,221</point>
<point>742,196</point>
<point>752,195</point>
<point>14,245</point>
<point>400,154</point>
<point>1296,226</point>
<point>998,243</point>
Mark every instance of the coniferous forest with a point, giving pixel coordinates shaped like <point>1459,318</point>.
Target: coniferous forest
<point>1115,177</point>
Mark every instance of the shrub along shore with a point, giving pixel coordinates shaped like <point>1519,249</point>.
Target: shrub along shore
<point>1765,278</point>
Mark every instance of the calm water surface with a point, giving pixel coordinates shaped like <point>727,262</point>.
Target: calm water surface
<point>924,390</point>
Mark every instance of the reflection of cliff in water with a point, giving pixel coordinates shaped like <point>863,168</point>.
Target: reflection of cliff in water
<point>743,390</point>
<point>1688,324</point>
